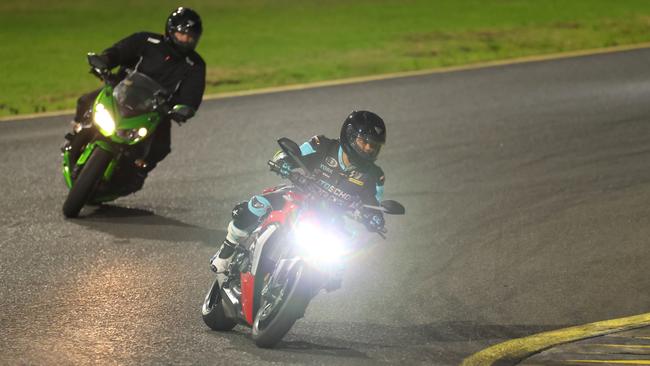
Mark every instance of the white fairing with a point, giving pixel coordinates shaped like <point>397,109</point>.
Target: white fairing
<point>259,246</point>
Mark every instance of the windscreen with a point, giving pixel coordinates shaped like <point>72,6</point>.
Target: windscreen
<point>136,94</point>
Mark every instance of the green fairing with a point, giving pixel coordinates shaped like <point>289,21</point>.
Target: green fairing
<point>148,120</point>
<point>86,154</point>
<point>66,169</point>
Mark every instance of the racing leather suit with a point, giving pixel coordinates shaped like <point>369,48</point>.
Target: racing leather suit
<point>324,158</point>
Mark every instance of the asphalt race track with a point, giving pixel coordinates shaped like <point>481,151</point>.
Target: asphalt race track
<point>527,190</point>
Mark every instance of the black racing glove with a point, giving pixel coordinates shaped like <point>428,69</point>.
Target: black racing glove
<point>285,169</point>
<point>373,220</point>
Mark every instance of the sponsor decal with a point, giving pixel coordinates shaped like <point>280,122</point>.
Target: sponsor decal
<point>355,174</point>
<point>326,169</point>
<point>337,192</point>
<point>153,40</point>
<point>319,172</point>
<point>356,181</point>
<point>331,162</point>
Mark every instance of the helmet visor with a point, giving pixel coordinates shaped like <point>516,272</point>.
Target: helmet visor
<point>184,38</point>
<point>367,147</point>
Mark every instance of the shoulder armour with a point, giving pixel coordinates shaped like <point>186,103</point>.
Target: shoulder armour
<point>319,142</point>
<point>315,141</point>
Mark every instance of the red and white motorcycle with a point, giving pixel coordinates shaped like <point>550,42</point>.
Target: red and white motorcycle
<point>296,252</point>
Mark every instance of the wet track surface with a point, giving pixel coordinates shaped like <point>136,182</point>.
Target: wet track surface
<point>526,187</point>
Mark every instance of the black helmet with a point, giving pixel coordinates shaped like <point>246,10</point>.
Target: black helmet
<point>362,135</point>
<point>187,22</point>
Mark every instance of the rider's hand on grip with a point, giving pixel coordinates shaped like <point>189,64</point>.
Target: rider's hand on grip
<point>374,221</point>
<point>285,169</point>
<point>281,168</point>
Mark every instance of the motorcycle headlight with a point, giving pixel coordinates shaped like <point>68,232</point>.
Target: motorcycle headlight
<point>318,243</point>
<point>133,134</point>
<point>104,120</point>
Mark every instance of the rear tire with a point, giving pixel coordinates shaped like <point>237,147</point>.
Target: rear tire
<point>268,332</point>
<point>212,310</point>
<point>86,182</point>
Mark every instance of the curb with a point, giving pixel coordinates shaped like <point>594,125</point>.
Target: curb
<point>362,79</point>
<point>516,350</point>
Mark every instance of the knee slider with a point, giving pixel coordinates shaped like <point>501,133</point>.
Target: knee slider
<point>242,217</point>
<point>259,206</point>
<point>247,214</point>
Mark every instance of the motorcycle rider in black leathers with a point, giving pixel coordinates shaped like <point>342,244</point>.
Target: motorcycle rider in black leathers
<point>344,167</point>
<point>170,60</point>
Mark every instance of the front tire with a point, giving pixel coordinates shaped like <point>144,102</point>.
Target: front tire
<point>212,310</point>
<point>274,319</point>
<point>86,182</point>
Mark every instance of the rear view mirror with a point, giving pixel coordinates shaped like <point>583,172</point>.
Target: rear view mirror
<point>393,207</point>
<point>97,61</point>
<point>288,146</point>
<point>181,113</point>
<point>293,151</point>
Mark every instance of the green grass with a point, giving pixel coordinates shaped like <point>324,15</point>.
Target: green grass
<point>257,43</point>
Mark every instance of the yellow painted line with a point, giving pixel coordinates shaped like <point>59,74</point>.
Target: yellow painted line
<point>618,362</point>
<point>517,349</point>
<point>363,79</point>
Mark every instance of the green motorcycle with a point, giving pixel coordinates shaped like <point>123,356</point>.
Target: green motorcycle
<point>123,117</point>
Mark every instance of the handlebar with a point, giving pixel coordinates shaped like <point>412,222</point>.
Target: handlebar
<point>294,177</point>
<point>306,183</point>
<point>110,78</point>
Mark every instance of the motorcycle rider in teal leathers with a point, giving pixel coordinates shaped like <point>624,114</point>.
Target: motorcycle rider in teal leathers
<point>344,168</point>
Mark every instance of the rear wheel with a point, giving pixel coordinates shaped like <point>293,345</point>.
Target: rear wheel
<point>86,182</point>
<point>212,310</point>
<point>281,305</point>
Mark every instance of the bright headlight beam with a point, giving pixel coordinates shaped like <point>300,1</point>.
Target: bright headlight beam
<point>104,119</point>
<point>318,243</point>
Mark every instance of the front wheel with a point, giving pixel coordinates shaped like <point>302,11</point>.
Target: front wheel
<point>212,310</point>
<point>282,304</point>
<point>86,182</point>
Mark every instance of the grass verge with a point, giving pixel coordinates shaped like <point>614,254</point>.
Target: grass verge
<point>259,43</point>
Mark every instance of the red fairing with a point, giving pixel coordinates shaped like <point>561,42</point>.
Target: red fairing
<point>291,204</point>
<point>247,293</point>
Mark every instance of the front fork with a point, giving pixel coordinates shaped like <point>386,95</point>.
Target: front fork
<point>287,267</point>
<point>70,172</point>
